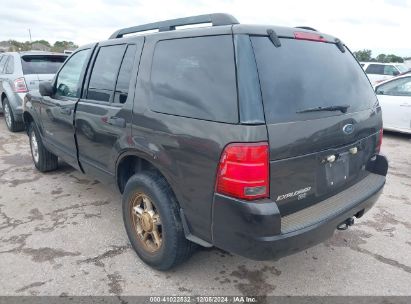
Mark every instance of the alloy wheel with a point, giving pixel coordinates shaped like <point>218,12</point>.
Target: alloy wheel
<point>146,222</point>
<point>34,147</point>
<point>7,115</point>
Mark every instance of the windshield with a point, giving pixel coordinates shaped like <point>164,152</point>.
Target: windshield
<point>402,68</point>
<point>302,75</point>
<point>42,64</point>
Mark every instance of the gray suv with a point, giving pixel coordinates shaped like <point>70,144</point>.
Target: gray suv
<point>21,72</point>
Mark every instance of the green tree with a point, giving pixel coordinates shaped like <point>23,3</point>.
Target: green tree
<point>20,46</point>
<point>43,42</point>
<point>382,58</point>
<point>60,46</point>
<point>394,58</point>
<point>389,58</point>
<point>363,55</point>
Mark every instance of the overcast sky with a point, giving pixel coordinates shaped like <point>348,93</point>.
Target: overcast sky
<point>380,25</point>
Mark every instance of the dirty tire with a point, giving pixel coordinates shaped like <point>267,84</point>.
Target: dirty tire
<point>175,248</point>
<point>43,160</point>
<point>11,123</point>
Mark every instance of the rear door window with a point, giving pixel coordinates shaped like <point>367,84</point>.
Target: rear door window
<point>41,64</point>
<point>302,75</point>
<point>195,77</point>
<point>105,71</point>
<point>375,69</point>
<point>3,60</point>
<point>10,66</point>
<point>390,70</point>
<point>124,76</point>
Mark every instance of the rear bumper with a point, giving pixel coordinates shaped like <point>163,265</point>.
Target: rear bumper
<point>257,230</point>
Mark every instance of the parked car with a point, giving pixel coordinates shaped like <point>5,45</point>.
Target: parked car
<point>378,72</point>
<point>21,72</point>
<point>394,96</point>
<point>225,136</point>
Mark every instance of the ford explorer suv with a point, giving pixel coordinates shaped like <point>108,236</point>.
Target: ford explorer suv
<point>259,140</point>
<point>21,73</point>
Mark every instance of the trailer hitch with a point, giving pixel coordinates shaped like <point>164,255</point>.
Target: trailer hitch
<point>344,225</point>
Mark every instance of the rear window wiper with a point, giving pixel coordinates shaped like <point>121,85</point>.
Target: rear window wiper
<point>342,108</point>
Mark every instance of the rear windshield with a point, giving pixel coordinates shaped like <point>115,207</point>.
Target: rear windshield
<point>41,64</point>
<point>303,75</point>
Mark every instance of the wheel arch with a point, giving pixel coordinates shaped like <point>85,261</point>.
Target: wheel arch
<point>3,96</point>
<point>138,161</point>
<point>133,161</point>
<point>27,119</point>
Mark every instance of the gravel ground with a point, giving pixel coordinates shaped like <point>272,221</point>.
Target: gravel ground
<point>61,233</point>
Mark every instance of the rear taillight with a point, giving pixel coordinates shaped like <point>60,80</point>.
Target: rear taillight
<point>19,85</point>
<point>379,142</point>
<point>309,36</point>
<point>243,171</point>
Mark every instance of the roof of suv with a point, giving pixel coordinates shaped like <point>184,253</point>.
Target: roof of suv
<point>221,23</point>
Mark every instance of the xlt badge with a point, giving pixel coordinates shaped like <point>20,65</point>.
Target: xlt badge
<point>302,193</point>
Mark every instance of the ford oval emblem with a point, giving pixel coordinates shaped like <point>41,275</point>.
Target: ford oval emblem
<point>348,129</point>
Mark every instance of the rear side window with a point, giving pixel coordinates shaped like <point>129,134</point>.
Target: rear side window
<point>41,64</point>
<point>104,74</point>
<point>375,69</point>
<point>302,75</point>
<point>195,77</point>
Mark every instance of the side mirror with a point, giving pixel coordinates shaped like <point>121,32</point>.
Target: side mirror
<point>46,88</point>
<point>395,73</point>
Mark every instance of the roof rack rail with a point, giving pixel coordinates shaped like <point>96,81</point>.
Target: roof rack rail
<point>307,28</point>
<point>170,25</point>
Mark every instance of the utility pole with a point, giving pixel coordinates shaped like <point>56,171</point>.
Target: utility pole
<point>30,38</point>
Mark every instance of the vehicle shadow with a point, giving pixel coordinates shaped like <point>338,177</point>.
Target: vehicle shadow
<point>397,135</point>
